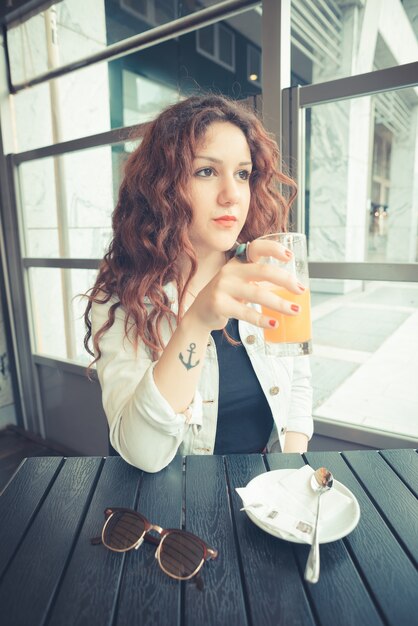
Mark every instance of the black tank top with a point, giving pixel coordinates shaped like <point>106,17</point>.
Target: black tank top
<point>245,421</point>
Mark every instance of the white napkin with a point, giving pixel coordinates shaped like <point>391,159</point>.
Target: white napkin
<point>290,504</point>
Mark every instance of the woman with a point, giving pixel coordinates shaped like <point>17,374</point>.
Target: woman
<point>203,179</point>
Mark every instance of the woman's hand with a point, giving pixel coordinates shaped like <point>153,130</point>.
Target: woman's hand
<point>237,284</point>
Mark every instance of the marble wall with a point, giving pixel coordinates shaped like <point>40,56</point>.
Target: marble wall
<point>342,147</point>
<point>402,243</point>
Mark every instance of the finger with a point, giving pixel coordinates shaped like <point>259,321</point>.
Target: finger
<point>266,273</point>
<point>268,297</point>
<point>259,248</point>
<point>254,317</point>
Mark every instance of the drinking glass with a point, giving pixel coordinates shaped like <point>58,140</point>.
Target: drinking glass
<point>293,336</point>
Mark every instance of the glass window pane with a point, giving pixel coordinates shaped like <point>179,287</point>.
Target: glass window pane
<point>27,47</point>
<point>364,362</point>
<point>67,202</point>
<point>143,97</point>
<point>254,64</point>
<point>81,105</point>
<point>226,46</point>
<point>332,39</point>
<point>73,29</point>
<point>134,88</point>
<point>206,39</point>
<point>48,321</point>
<point>57,311</point>
<point>365,355</point>
<point>38,197</point>
<point>361,197</point>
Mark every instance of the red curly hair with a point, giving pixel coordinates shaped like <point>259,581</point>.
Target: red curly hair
<point>153,214</point>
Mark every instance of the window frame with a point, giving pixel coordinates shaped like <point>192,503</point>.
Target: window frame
<point>149,19</point>
<point>282,110</point>
<point>217,27</point>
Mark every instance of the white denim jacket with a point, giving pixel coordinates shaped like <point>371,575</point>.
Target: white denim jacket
<point>143,427</point>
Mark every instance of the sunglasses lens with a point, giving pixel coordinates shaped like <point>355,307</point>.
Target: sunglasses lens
<point>181,554</point>
<point>123,529</point>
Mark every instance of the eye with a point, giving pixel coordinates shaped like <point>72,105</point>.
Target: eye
<point>205,172</point>
<point>244,174</point>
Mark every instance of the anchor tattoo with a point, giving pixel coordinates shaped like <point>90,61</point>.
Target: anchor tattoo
<point>188,364</point>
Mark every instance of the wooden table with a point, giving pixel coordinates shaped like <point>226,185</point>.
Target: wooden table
<point>50,574</point>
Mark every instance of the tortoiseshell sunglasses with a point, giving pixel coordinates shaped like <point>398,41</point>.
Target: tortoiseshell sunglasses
<point>180,554</point>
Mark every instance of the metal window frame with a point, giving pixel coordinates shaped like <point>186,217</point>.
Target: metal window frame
<point>215,57</point>
<point>29,399</point>
<point>275,62</point>
<point>14,263</point>
<point>107,138</point>
<point>5,298</point>
<point>148,19</point>
<point>154,36</point>
<point>283,112</point>
<point>285,118</point>
<point>295,101</point>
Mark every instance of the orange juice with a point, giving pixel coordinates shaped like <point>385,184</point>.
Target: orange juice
<point>292,328</point>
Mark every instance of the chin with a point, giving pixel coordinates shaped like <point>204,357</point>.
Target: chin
<point>219,242</point>
<point>224,246</point>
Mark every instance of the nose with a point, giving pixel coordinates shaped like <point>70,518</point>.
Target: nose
<point>228,192</point>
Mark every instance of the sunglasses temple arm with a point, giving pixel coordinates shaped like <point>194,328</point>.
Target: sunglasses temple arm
<point>212,553</point>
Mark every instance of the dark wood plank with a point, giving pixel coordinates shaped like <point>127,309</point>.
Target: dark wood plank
<point>222,602</point>
<point>405,464</point>
<point>148,596</point>
<point>23,494</point>
<point>395,501</point>
<point>6,474</point>
<point>32,578</point>
<point>284,461</point>
<point>275,594</point>
<point>90,587</point>
<point>388,573</point>
<point>15,446</point>
<point>10,464</point>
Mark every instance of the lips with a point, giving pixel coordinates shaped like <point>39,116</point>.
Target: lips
<point>226,219</point>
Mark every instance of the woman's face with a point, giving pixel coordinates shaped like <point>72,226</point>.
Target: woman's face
<point>219,188</point>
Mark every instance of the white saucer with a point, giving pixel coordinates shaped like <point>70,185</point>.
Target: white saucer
<point>329,530</point>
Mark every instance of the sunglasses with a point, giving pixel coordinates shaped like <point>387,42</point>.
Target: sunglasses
<point>180,554</point>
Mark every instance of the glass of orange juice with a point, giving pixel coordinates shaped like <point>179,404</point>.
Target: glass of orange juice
<point>293,336</point>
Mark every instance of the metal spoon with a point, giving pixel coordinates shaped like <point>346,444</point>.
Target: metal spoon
<point>321,482</point>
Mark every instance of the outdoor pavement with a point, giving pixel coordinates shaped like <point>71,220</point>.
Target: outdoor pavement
<point>365,357</point>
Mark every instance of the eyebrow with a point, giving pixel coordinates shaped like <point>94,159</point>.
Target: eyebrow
<point>209,158</point>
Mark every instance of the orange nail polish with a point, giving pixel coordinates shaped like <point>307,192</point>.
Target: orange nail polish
<point>273,323</point>
<point>295,307</point>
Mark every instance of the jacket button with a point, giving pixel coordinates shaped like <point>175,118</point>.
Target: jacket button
<point>283,430</point>
<point>250,339</point>
<point>208,344</point>
<point>274,391</point>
